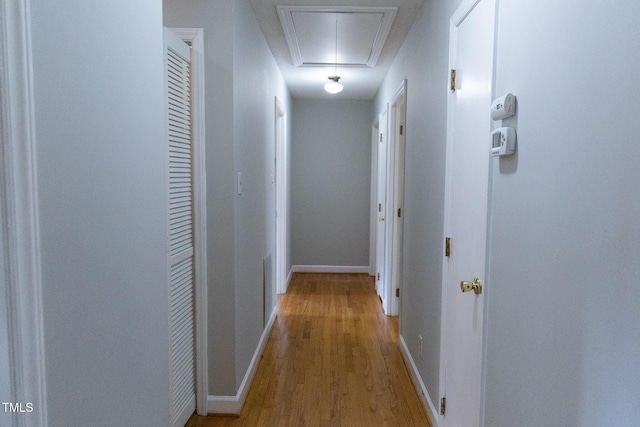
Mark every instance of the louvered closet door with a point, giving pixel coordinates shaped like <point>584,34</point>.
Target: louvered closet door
<point>180,233</point>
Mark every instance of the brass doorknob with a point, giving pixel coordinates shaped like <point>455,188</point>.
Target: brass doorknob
<point>381,219</point>
<point>474,286</point>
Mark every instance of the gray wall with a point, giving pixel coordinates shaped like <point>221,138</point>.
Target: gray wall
<point>564,232</point>
<point>99,118</point>
<point>565,224</point>
<point>256,82</point>
<point>241,80</point>
<point>330,182</point>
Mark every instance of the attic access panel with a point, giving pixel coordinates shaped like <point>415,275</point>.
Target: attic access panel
<point>311,34</point>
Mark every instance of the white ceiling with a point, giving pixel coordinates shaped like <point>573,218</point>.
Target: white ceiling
<point>303,42</point>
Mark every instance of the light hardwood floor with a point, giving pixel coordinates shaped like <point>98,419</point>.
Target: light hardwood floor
<point>332,359</point>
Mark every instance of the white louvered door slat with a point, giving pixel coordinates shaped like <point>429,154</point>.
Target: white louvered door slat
<point>180,231</point>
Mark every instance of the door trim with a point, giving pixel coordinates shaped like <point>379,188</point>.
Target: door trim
<point>382,232</point>
<point>280,153</point>
<point>21,240</point>
<point>394,263</point>
<point>373,216</point>
<point>195,38</point>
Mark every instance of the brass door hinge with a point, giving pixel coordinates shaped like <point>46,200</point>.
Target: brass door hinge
<point>401,129</point>
<point>397,292</point>
<point>443,405</point>
<point>380,137</point>
<point>447,246</point>
<point>378,275</point>
<point>452,84</point>
<point>379,207</point>
<point>399,212</point>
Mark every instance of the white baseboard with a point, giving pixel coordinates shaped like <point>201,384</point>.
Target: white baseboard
<point>329,269</point>
<point>429,407</point>
<point>232,405</point>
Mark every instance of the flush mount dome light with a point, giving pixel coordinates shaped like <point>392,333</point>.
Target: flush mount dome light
<point>334,85</point>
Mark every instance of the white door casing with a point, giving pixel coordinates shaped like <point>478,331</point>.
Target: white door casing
<point>467,173</point>
<point>373,217</point>
<point>381,209</point>
<point>396,160</point>
<point>281,200</point>
<point>180,233</point>
<point>19,232</point>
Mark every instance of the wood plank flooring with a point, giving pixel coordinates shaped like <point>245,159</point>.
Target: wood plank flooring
<point>332,359</point>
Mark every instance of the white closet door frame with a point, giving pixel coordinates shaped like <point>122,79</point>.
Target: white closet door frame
<point>195,38</point>
<point>19,203</point>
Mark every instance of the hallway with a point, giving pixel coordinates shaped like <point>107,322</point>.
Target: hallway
<point>332,359</point>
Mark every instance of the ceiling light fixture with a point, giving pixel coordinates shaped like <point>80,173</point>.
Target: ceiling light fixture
<point>334,85</point>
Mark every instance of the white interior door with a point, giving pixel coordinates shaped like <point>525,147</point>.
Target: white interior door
<point>472,39</point>
<point>180,230</point>
<point>381,229</point>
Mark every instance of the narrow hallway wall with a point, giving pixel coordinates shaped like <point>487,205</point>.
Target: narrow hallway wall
<point>563,229</point>
<point>331,174</point>
<point>100,145</point>
<point>565,234</point>
<point>257,82</point>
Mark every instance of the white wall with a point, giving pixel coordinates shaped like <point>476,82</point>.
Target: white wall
<point>100,142</point>
<point>256,82</point>
<point>564,232</point>
<point>331,178</point>
<point>241,81</point>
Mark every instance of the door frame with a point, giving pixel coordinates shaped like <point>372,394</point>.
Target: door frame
<point>280,170</point>
<point>395,196</point>
<point>19,203</point>
<point>381,210</point>
<point>463,10</point>
<point>195,38</point>
<point>373,217</point>
<point>394,176</point>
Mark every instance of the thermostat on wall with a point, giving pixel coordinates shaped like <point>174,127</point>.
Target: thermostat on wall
<point>503,141</point>
<point>503,107</point>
